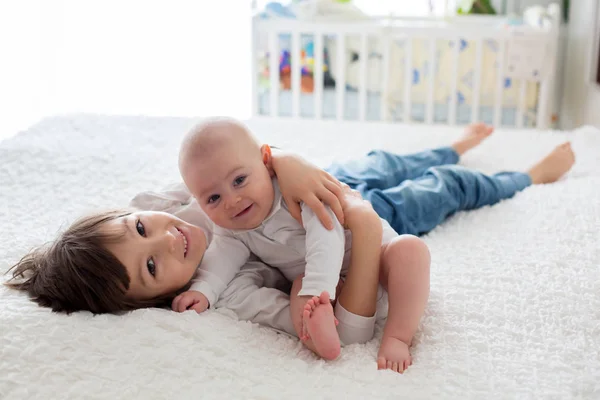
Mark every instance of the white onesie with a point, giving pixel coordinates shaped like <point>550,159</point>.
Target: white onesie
<point>280,241</point>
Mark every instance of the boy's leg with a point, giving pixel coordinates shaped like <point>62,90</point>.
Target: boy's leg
<point>417,206</point>
<point>383,170</point>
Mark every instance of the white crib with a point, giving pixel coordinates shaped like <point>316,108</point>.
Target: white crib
<point>400,70</point>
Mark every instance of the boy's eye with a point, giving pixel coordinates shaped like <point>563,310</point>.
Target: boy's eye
<point>213,198</point>
<point>151,267</point>
<point>140,228</point>
<point>239,180</point>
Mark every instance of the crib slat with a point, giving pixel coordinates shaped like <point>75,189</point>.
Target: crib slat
<point>385,91</point>
<point>510,7</point>
<point>408,78</point>
<point>477,80</point>
<point>296,73</point>
<point>362,88</point>
<point>454,83</point>
<point>544,105</point>
<point>340,81</point>
<point>274,73</point>
<point>431,89</point>
<point>543,112</point>
<point>318,75</point>
<point>521,106</point>
<point>254,68</point>
<point>499,84</point>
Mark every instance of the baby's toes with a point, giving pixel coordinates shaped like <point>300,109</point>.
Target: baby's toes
<point>306,314</point>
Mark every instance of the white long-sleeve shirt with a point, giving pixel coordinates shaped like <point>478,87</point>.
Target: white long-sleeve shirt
<point>281,242</point>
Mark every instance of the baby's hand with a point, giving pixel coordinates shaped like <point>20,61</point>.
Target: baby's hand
<point>190,300</point>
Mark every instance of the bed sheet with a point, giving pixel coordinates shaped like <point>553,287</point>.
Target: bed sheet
<point>514,308</point>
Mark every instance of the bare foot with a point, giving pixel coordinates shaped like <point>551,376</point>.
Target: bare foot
<point>554,165</point>
<point>319,325</point>
<point>474,134</point>
<point>393,354</point>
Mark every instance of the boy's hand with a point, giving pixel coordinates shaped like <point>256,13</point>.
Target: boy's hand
<point>301,181</point>
<point>190,300</point>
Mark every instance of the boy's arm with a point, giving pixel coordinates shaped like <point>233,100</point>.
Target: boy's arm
<point>324,254</point>
<point>303,182</point>
<point>221,262</point>
<point>254,295</point>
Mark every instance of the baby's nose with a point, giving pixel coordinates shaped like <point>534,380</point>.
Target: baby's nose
<point>232,201</point>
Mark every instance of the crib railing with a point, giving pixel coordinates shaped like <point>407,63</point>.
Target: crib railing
<point>407,31</point>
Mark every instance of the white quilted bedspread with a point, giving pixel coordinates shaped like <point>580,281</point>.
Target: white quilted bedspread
<point>514,310</point>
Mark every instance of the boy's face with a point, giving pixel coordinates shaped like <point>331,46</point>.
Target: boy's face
<point>233,185</point>
<point>160,252</point>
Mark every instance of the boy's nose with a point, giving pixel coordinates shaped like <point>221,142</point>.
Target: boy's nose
<point>170,239</point>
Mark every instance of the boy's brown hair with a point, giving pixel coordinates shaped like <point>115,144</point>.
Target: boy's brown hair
<point>76,272</point>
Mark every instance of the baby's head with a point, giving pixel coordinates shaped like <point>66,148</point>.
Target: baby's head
<point>228,172</point>
<point>113,261</point>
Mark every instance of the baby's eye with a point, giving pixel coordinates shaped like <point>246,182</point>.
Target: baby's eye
<point>140,228</point>
<point>213,198</point>
<point>239,180</point>
<point>151,266</point>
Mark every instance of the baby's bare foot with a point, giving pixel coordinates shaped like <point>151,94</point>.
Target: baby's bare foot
<point>474,134</point>
<point>393,354</point>
<point>319,325</point>
<point>554,165</point>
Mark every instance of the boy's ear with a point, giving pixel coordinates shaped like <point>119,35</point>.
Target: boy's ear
<point>267,158</point>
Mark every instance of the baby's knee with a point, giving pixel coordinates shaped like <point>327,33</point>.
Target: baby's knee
<point>407,250</point>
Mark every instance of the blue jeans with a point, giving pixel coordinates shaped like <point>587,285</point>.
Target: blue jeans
<point>417,192</point>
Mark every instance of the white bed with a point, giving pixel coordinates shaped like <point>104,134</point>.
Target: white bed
<point>515,298</point>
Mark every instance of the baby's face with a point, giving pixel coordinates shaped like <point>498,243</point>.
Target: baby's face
<point>233,186</point>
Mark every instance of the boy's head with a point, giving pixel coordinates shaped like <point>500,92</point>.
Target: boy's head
<point>113,261</point>
<point>228,172</point>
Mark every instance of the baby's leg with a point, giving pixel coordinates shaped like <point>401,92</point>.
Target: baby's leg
<point>357,301</point>
<point>405,275</point>
<point>314,322</point>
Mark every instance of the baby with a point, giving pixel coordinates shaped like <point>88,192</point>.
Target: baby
<point>230,175</point>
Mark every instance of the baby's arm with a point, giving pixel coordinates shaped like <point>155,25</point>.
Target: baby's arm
<point>324,255</point>
<point>312,313</point>
<point>221,262</point>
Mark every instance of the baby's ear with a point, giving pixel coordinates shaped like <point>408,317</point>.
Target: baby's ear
<point>267,159</point>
